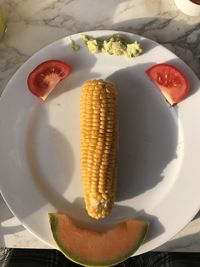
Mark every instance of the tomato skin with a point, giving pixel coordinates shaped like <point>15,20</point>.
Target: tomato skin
<point>44,78</point>
<point>172,83</point>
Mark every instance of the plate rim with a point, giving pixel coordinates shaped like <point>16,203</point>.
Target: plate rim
<point>99,33</point>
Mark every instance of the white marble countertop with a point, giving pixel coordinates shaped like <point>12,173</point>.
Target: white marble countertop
<point>34,24</point>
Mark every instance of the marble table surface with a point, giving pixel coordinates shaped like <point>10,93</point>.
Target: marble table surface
<point>35,24</point>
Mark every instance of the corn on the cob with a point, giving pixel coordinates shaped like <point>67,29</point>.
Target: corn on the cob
<point>99,146</point>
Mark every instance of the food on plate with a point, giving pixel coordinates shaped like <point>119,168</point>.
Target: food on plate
<point>113,45</point>
<point>92,248</point>
<point>172,83</point>
<point>75,47</point>
<point>99,146</point>
<point>93,45</point>
<point>44,78</point>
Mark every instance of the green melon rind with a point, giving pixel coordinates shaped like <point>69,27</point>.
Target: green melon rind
<point>84,262</point>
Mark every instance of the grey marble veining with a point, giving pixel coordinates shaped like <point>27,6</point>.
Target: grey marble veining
<point>35,24</point>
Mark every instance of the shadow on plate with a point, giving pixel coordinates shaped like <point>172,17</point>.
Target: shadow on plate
<point>53,190</point>
<point>138,106</point>
<point>148,132</point>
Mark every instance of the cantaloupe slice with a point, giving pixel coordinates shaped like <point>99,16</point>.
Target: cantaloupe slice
<point>91,248</point>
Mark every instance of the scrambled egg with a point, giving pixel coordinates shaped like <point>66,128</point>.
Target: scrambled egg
<point>113,45</point>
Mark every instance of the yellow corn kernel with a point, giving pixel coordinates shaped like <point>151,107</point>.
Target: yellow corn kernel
<point>99,146</point>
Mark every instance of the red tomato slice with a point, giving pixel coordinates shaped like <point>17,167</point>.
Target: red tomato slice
<point>44,78</point>
<point>171,81</point>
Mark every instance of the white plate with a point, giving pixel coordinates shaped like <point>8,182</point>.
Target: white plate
<point>159,175</point>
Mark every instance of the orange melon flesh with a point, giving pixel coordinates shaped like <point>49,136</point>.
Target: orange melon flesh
<point>91,248</point>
